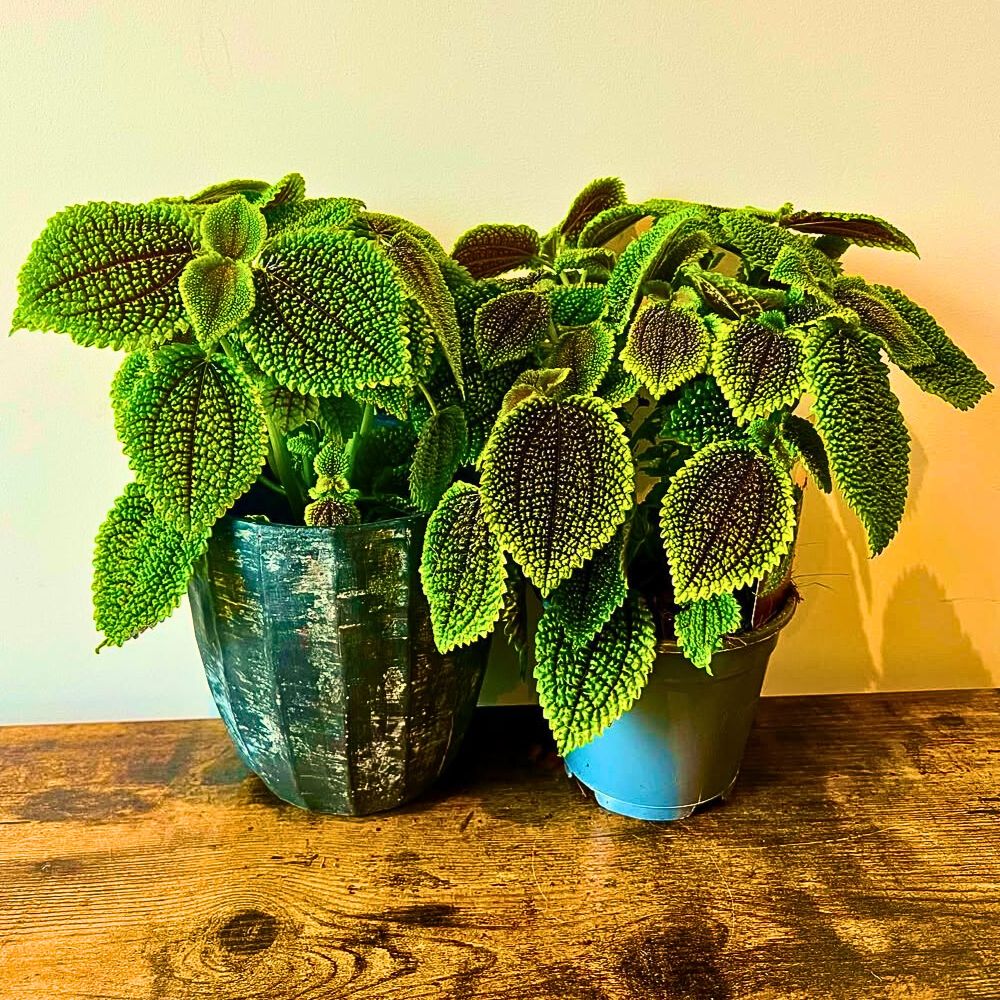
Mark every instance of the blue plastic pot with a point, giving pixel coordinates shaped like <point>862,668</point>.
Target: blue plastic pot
<point>681,744</point>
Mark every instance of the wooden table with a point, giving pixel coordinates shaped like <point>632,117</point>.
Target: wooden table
<point>859,858</point>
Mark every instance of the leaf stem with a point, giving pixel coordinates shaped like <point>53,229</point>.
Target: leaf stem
<point>428,397</point>
<point>282,466</point>
<point>350,452</point>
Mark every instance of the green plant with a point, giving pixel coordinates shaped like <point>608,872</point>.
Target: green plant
<point>287,346</point>
<point>642,472</point>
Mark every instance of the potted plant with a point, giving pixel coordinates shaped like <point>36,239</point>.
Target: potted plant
<point>275,345</point>
<point>645,471</point>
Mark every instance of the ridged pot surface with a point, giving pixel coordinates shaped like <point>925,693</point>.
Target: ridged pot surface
<point>318,649</point>
<point>681,744</point>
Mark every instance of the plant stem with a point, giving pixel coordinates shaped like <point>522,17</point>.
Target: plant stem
<point>267,481</point>
<point>282,466</point>
<point>428,397</point>
<point>351,451</point>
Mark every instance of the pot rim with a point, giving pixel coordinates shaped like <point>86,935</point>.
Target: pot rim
<point>773,625</point>
<point>310,530</point>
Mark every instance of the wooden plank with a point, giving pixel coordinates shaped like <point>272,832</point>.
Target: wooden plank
<point>860,858</point>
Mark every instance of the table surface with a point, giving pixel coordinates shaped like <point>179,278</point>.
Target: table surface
<point>859,857</point>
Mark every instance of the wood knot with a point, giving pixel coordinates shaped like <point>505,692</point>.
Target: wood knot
<point>248,932</point>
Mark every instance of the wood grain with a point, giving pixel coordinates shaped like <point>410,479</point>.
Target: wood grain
<point>860,858</point>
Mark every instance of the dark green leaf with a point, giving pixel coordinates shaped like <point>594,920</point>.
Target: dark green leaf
<point>557,483</point>
<point>612,222</point>
<point>665,347</point>
<point>597,197</point>
<point>383,228</point>
<point>863,230</point>
<point>587,352</point>
<point>576,305</point>
<point>805,442</point>
<point>726,296</point>
<point>462,570</point>
<point>439,453</point>
<point>906,348</point>
<point>218,295</point>
<point>701,626</point>
<point>511,326</point>
<point>700,415</point>
<point>489,250</point>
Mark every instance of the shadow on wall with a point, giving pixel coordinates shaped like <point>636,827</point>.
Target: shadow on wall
<point>923,645</point>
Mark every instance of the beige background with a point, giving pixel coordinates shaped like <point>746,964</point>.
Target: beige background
<point>455,113</point>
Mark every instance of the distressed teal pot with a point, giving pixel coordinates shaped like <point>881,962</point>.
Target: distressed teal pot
<point>681,744</point>
<point>318,649</point>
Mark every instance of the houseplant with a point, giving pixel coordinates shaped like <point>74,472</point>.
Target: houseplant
<point>274,347</point>
<point>645,471</point>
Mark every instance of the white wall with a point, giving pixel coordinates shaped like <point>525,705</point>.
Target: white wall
<point>455,113</point>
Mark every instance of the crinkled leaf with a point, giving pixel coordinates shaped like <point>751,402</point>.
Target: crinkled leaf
<point>759,368</point>
<point>291,188</point>
<point>331,511</point>
<point>584,688</point>
<point>859,420</point>
<point>511,326</point>
<point>576,305</point>
<point>618,386</point>
<point>218,295</point>
<point>612,222</point>
<point>130,373</point>
<point>462,570</point>
<point>339,416</point>
<point>489,250</point>
<point>728,516</point>
<point>287,409</point>
<point>878,317</point>
<point>313,213</point>
<point>547,382</point>
<point>584,259</point>
<point>219,192</point>
<point>701,625</point>
<point>439,453</point>
<point>597,197</point>
<point>700,414</point>
<point>726,296</point>
<point>792,268</point>
<point>557,482</point>
<point>328,316</point>
<point>803,438</point>
<point>194,433</point>
<point>759,243</point>
<point>142,566</point>
<point>234,228</point>
<point>952,375</point>
<point>392,399</point>
<point>583,604</point>
<point>422,281</point>
<point>862,230</point>
<point>107,273</point>
<point>587,352</point>
<point>384,228</point>
<point>665,347</point>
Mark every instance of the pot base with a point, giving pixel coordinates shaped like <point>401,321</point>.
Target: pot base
<point>658,814</point>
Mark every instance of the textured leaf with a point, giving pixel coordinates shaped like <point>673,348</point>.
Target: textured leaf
<point>597,197</point>
<point>130,373</point>
<point>219,192</point>
<point>700,415</point>
<point>760,243</point>
<point>612,222</point>
<point>384,228</point>
<point>287,409</point>
<point>701,626</point>
<point>637,262</point>
<point>860,423</point>
<point>330,511</point>
<point>422,281</point>
<point>328,317</point>
<point>576,305</point>
<point>462,570</point>
<point>234,228</point>
<point>339,417</point>
<point>218,295</point>
<point>584,603</point>
<point>618,386</point>
<point>106,274</point>
<point>806,443</point>
<point>665,347</point>
<point>686,248</point>
<point>547,382</point>
<point>728,516</point>
<point>952,375</point>
<point>862,230</point>
<point>557,482</point>
<point>313,213</point>
<point>194,433</point>
<point>792,268</point>
<point>489,250</point>
<point>882,321</point>
<point>511,326</point>
<point>291,188</point>
<point>439,453</point>
<point>584,259</point>
<point>141,567</point>
<point>587,352</point>
<point>584,688</point>
<point>725,295</point>
<point>759,368</point>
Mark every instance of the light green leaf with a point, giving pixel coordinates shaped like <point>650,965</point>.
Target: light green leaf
<point>587,352</point>
<point>584,688</point>
<point>759,243</point>
<point>618,386</point>
<point>665,347</point>
<point>879,318</point>
<point>547,382</point>
<point>329,314</point>
<point>462,570</point>
<point>728,516</point>
<point>383,228</point>
<point>759,368</point>
<point>287,409</point>
<point>142,566</point>
<point>107,273</point>
<point>952,375</point>
<point>511,326</point>
<point>576,305</point>
<point>234,228</point>
<point>862,230</point>
<point>218,295</point>
<point>725,295</point>
<point>701,626</point>
<point>392,399</point>
<point>322,213</point>
<point>597,197</point>
<point>860,423</point>
<point>422,281</point>
<point>439,453</point>
<point>792,268</point>
<point>219,192</point>
<point>806,444</point>
<point>194,433</point>
<point>557,483</point>
<point>291,188</point>
<point>130,373</point>
<point>489,249</point>
<point>584,259</point>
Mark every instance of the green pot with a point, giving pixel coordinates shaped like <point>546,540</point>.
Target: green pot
<point>318,649</point>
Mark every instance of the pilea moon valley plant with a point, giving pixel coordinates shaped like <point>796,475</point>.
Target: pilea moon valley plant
<point>274,344</point>
<point>682,366</point>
